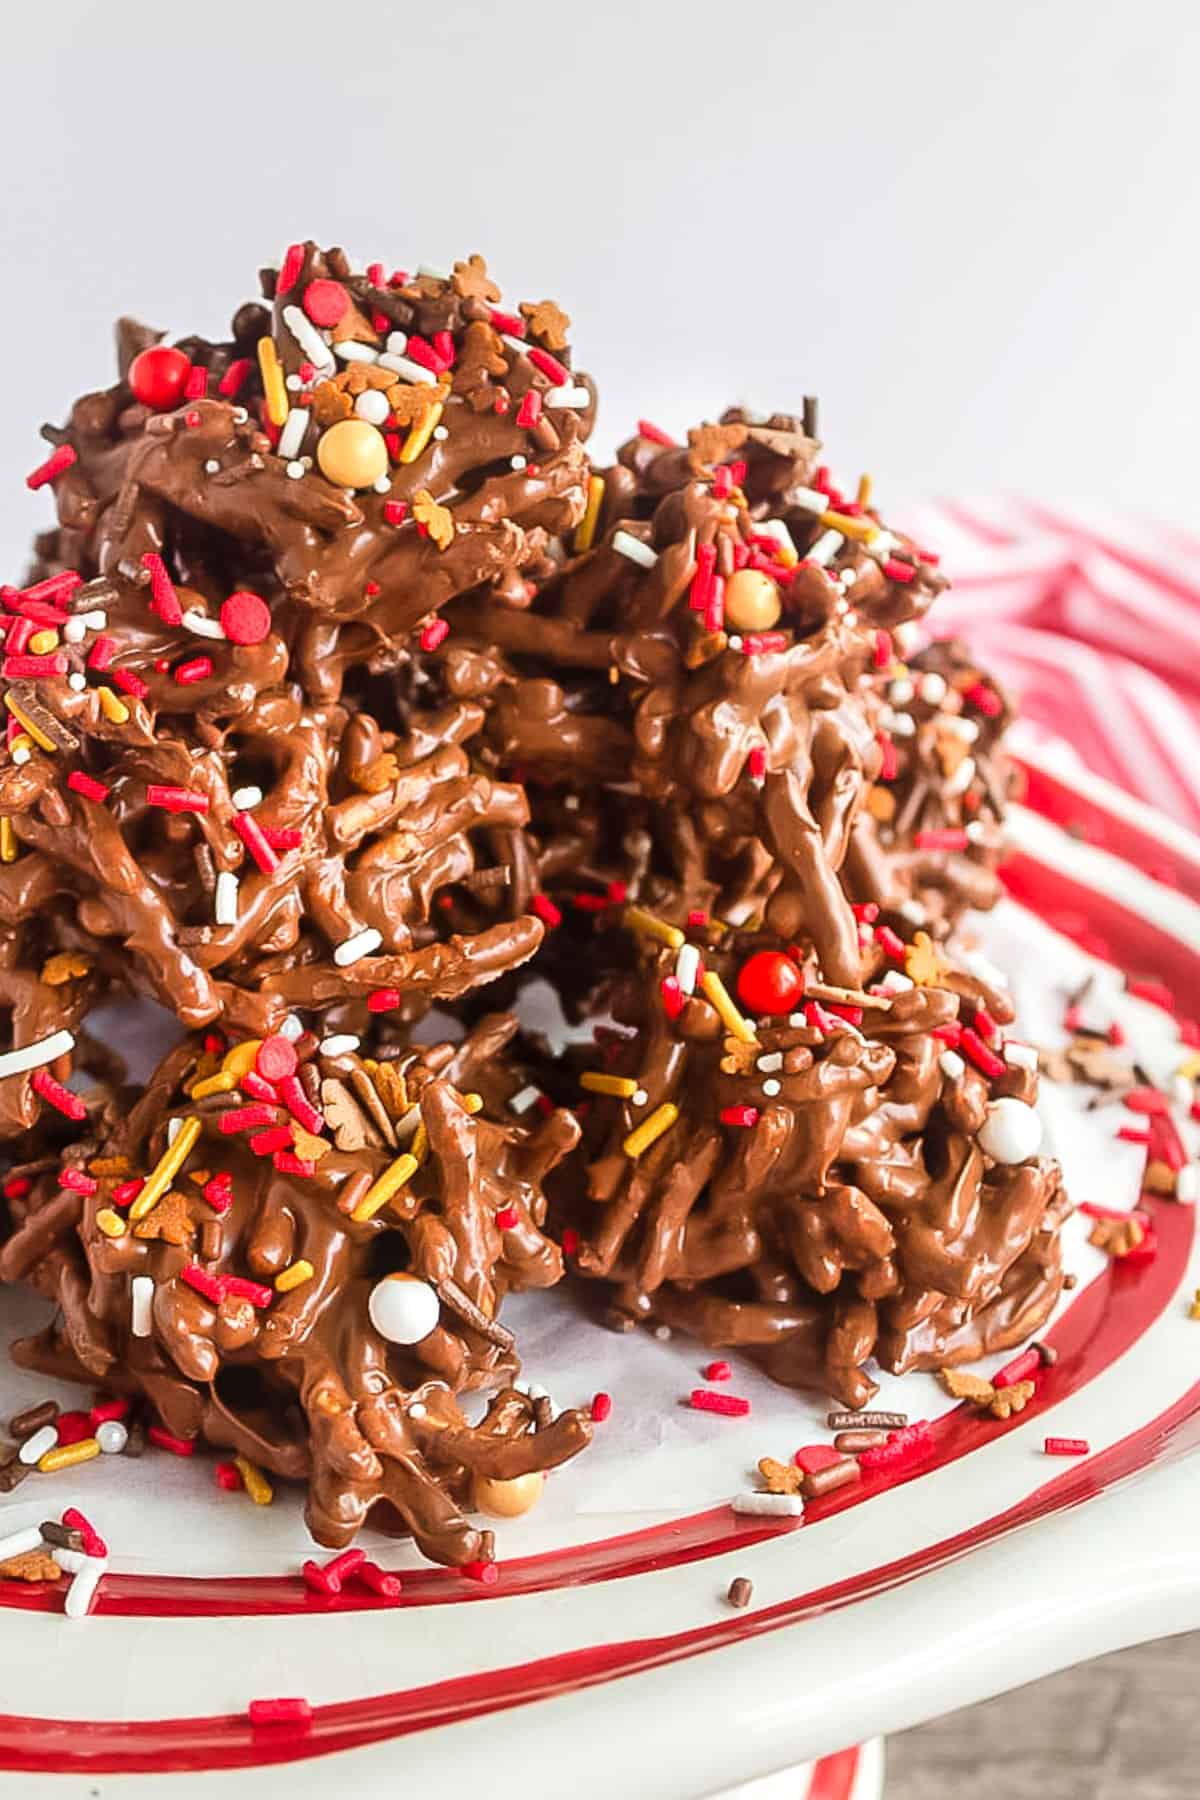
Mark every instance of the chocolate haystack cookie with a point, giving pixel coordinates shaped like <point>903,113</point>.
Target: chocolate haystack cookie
<point>344,686</point>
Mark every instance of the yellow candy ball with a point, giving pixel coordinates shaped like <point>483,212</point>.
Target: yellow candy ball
<point>352,454</point>
<point>508,1499</point>
<point>751,601</point>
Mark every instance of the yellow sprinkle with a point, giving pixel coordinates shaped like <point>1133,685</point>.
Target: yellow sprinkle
<point>419,1148</point>
<point>113,708</point>
<point>223,1083</point>
<point>65,1456</point>
<point>1190,1068</point>
<point>623,1086</point>
<point>585,532</point>
<point>8,840</point>
<point>390,1182</point>
<point>111,1223</point>
<point>274,387</point>
<point>241,1059</point>
<point>851,528</point>
<point>473,1102</point>
<point>651,1129</point>
<point>166,1169</point>
<point>614,674</point>
<point>647,925</point>
<point>1194,1310</point>
<point>255,1482</point>
<point>22,741</point>
<point>43,642</point>
<point>863,495</point>
<point>294,1276</point>
<point>39,737</point>
<point>420,434</point>
<point>731,1018</point>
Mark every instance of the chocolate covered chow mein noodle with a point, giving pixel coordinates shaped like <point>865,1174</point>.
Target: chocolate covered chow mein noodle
<point>343,686</point>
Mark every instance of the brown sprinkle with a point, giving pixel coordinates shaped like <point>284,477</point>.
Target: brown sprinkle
<point>32,1419</point>
<point>852,1442</point>
<point>61,1536</point>
<point>825,1481</point>
<point>740,1592</point>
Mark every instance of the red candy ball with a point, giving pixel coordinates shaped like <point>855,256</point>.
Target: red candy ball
<point>158,377</point>
<point>325,302</point>
<point>769,983</point>
<point>245,618</point>
<point>276,1059</point>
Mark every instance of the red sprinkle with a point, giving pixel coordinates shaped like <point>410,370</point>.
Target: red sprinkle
<point>547,365</point>
<point>546,910</point>
<point>107,1410</point>
<point>231,382</point>
<point>1156,992</point>
<point>977,1052</point>
<point>73,1427</point>
<point>250,832</point>
<point>300,1106</point>
<point>245,618</point>
<point>289,839</point>
<point>76,1179</point>
<point>570,1241</point>
<point>394,511</point>
<point>739,1115</point>
<point>253,1291</point>
<point>379,1581</point>
<point>33,668</point>
<point>654,434</point>
<point>196,385</point>
<point>1145,1100</point>
<point>530,410</point>
<point>56,464</point>
<point>733,1406</point>
<point>673,997</point>
<point>984,1023</point>
<point>245,1118</point>
<point>158,1434</point>
<point>889,943</point>
<point>718,1371</point>
<point>176,799</point>
<point>435,633</point>
<point>327,1578</point>
<point>276,1058</point>
<point>1019,1369</point>
<point>508,1218</point>
<point>601,1407</point>
<point>102,651</point>
<point>704,578</point>
<point>93,1543</point>
<point>883,649</point>
<point>129,683</point>
<point>16,1186</point>
<point>212,1287</point>
<point>757,763</point>
<point>895,570</point>
<point>1061,1446</point>
<point>512,324</point>
<point>288,1163</point>
<point>904,1446</point>
<point>276,1137</point>
<point>284,1711</point>
<point>227,1476</point>
<point>126,1192</point>
<point>219,1192</point>
<point>384,1000</point>
<point>194,669</point>
<point>485,1572</point>
<point>949,1033</point>
<point>163,598</point>
<point>814,1457</point>
<point>86,785</point>
<point>253,1084</point>
<point>985,700</point>
<point>289,269</point>
<point>54,587</point>
<point>950,839</point>
<point>56,1095</point>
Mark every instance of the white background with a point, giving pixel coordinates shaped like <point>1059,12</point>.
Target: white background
<point>969,227</point>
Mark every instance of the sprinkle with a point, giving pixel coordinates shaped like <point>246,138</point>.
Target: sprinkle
<point>192,670</point>
<point>718,995</point>
<point>274,387</point>
<point>141,1294</point>
<point>294,1276</point>
<point>767,1506</point>
<point>623,1087</point>
<point>225,898</point>
<point>250,832</point>
<point>826,547</point>
<point>253,1291</point>
<point>218,1192</point>
<point>547,365</point>
<point>651,1129</point>
<point>129,683</point>
<point>292,436</point>
<point>227,1477</point>
<point>585,534</point>
<point>951,1065</point>
<point>524,1099</point>
<point>687,967</point>
<point>420,433</point>
<point>1020,1369</point>
<point>165,1170</point>
<point>110,1223</point>
<point>56,464</point>
<point>339,1044</point>
<point>212,1287</point>
<point>1065,1446</point>
<point>57,1096</point>
<point>646,924</point>
<point>384,1000</point>
<point>394,1177</point>
<point>673,997</point>
<point>507,1219</point>
<point>354,948</point>
<point>286,1710</point>
<point>486,1573</point>
<point>1020,1056</point>
<point>601,1407</point>
<point>434,634</point>
<point>625,544</point>
<point>266,1143</point>
<point>977,1052</point>
<point>290,839</point>
<point>8,840</point>
<point>33,668</point>
<point>379,1581</point>
<point>569,394</point>
<point>310,341</point>
<point>733,1406</point>
<point>746,1116</point>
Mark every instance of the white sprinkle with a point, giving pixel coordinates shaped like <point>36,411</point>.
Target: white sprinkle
<point>663,1333</point>
<point>951,1064</point>
<point>417,1410</point>
<point>225,900</point>
<point>296,471</point>
<point>246,798</point>
<point>966,729</point>
<point>518,462</point>
<point>771,1088</point>
<point>933,688</point>
<point>342,1043</point>
<point>21,755</point>
<point>77,682</point>
<point>568,395</point>
<point>36,1056</point>
<point>625,544</point>
<point>977,832</point>
<point>411,371</point>
<point>640,1097</point>
<point>397,343</point>
<point>292,435</point>
<point>770,1063</point>
<point>372,405</point>
<point>240,415</point>
<point>852,618</point>
<point>70,1561</point>
<point>433,274</point>
<point>516,343</point>
<point>112,1437</point>
<point>769,1505</point>
<point>36,1446</point>
<point>808,500</point>
<point>962,777</point>
<point>896,983</point>
<point>200,625</point>
<point>687,967</point>
<point>841,608</point>
<point>406,1126</point>
<point>883,541</point>
<point>141,1302</point>
<point>848,577</point>
<point>913,911</point>
<point>900,691</point>
<point>82,1592</point>
<point>293,384</point>
<point>1181,1090</point>
<point>1020,1056</point>
<point>796,1019</point>
<point>174,1127</point>
<point>383,485</point>
<point>95,621</point>
<point>292,1028</point>
<point>20,1543</point>
<point>524,1099</point>
<point>735,641</point>
<point>825,548</point>
<point>354,948</point>
<point>571,802</point>
<point>984,969</point>
<point>212,466</point>
<point>739,912</point>
<point>1187,1183</point>
<point>74,631</point>
<point>352,352</point>
<point>440,433</point>
<point>902,724</point>
<point>315,348</point>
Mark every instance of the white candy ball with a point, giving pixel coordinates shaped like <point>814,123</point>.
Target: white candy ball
<point>1011,1132</point>
<point>403,1310</point>
<point>112,1437</point>
<point>372,406</point>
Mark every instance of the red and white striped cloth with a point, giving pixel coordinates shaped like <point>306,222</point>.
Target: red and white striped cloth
<point>1093,620</point>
